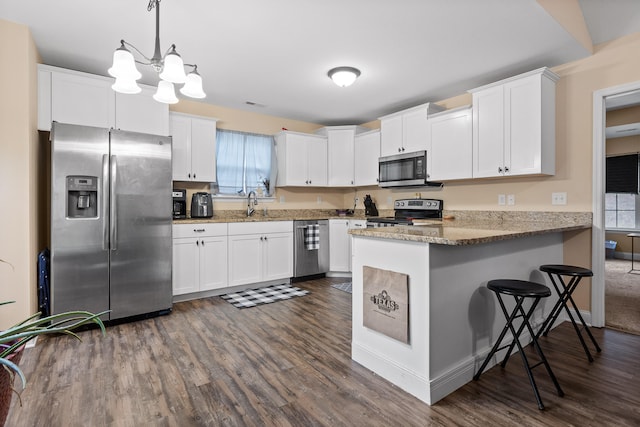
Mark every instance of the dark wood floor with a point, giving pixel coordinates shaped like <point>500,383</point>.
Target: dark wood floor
<point>289,364</point>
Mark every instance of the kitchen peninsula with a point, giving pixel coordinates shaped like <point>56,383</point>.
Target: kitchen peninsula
<point>453,319</point>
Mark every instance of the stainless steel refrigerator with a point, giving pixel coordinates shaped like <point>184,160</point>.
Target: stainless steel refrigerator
<point>111,245</point>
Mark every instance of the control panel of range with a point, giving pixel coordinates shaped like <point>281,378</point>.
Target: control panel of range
<point>418,204</point>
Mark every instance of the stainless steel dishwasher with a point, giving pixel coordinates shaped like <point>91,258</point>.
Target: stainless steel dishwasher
<point>311,247</point>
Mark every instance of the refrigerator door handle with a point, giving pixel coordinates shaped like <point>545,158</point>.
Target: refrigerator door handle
<point>113,219</point>
<point>105,202</point>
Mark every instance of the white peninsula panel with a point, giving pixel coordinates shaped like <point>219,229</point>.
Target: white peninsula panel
<point>453,317</point>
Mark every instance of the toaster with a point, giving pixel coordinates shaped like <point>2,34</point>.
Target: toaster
<point>201,205</point>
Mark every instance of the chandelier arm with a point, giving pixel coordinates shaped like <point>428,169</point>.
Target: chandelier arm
<point>172,47</point>
<point>137,50</point>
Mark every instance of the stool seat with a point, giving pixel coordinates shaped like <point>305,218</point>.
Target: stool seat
<point>520,288</point>
<point>566,270</point>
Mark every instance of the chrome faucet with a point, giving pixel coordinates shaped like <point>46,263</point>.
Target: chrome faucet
<point>250,209</point>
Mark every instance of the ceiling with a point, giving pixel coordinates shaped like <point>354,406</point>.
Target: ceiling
<point>276,53</point>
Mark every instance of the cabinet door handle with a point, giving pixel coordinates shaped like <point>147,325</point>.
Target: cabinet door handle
<point>399,149</point>
<point>265,238</point>
<point>197,242</point>
<point>202,241</point>
<point>194,176</point>
<point>499,169</point>
<point>506,169</point>
<point>261,238</point>
<point>189,175</point>
<point>198,230</point>
<point>402,148</point>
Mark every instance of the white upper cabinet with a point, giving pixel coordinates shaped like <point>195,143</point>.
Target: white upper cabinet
<point>68,96</point>
<point>194,148</point>
<point>78,99</point>
<point>340,149</point>
<point>341,154</point>
<point>514,126</point>
<point>406,131</point>
<point>141,113</point>
<point>302,159</point>
<point>366,153</point>
<point>450,145</point>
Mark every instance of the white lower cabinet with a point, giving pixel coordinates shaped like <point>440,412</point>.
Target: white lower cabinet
<point>260,251</point>
<point>199,257</point>
<point>340,243</point>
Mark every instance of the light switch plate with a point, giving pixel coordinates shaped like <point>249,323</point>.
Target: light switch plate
<point>502,199</point>
<point>511,199</point>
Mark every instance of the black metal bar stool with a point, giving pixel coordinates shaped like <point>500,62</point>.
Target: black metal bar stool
<point>557,271</point>
<point>520,290</point>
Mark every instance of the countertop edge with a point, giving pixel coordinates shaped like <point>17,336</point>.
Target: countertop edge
<point>485,235</point>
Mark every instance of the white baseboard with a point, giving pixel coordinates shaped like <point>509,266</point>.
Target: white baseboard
<point>409,381</point>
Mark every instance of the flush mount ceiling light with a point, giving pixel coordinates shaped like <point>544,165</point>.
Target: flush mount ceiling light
<point>343,76</point>
<point>169,67</point>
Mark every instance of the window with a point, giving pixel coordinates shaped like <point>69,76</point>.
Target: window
<point>621,198</point>
<point>244,162</point>
<point>620,210</point>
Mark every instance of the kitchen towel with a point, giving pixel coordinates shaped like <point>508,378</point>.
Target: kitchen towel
<point>312,237</point>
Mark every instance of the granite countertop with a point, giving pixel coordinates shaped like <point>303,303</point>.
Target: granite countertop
<point>473,228</point>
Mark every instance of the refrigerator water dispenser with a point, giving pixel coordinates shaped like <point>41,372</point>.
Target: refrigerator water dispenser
<point>82,196</point>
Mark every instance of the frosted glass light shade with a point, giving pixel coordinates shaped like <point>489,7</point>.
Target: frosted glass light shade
<point>165,93</point>
<point>173,68</point>
<point>344,76</point>
<point>124,66</point>
<point>193,86</point>
<point>123,85</point>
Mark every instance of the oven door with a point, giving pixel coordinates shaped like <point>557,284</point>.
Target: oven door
<point>403,170</point>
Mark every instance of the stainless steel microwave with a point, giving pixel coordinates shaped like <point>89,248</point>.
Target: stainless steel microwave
<point>403,170</point>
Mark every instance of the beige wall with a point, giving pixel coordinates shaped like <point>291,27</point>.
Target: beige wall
<point>19,156</point>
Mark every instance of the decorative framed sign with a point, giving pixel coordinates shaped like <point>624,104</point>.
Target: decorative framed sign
<point>386,302</point>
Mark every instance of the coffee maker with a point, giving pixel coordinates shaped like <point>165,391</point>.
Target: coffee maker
<point>179,204</point>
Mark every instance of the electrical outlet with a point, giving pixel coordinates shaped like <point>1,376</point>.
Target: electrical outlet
<point>502,199</point>
<point>319,200</point>
<point>511,199</point>
<point>559,198</point>
<point>281,199</point>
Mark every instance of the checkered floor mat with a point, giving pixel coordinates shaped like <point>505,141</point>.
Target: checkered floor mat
<point>254,297</point>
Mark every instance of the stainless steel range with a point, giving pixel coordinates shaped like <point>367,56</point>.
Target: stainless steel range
<point>406,210</point>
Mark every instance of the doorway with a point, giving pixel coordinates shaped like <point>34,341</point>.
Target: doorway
<point>601,98</point>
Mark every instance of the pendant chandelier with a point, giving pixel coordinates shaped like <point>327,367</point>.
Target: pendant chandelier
<point>169,67</point>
